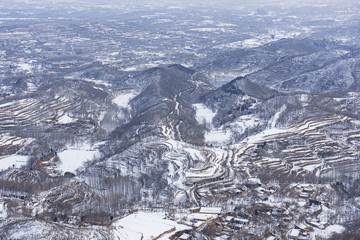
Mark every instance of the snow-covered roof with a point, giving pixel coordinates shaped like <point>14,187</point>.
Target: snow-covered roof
<point>184,236</point>
<point>294,233</point>
<point>242,220</point>
<point>210,210</point>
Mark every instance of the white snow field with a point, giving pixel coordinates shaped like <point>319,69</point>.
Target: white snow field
<point>122,100</point>
<point>143,225</point>
<point>203,114</point>
<point>74,157</point>
<point>13,161</point>
<point>65,119</point>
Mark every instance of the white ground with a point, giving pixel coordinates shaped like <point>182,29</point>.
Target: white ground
<point>201,216</point>
<point>96,82</point>
<point>122,100</point>
<point>16,160</point>
<point>209,30</point>
<point>3,213</point>
<point>327,232</point>
<point>218,135</point>
<point>72,159</point>
<point>66,119</point>
<point>25,67</point>
<point>203,114</point>
<point>277,116</point>
<point>244,122</point>
<point>144,225</point>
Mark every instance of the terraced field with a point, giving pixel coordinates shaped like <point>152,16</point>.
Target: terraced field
<point>302,151</point>
<point>148,160</point>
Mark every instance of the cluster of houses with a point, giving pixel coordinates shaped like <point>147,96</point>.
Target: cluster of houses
<point>300,232</point>
<point>199,217</point>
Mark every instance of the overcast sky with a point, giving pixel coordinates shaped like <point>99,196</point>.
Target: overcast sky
<point>170,2</point>
<point>223,4</point>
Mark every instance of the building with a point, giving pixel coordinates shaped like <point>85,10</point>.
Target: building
<point>211,210</point>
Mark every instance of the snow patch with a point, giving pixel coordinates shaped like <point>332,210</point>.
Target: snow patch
<point>209,30</point>
<point>97,82</point>
<point>3,213</point>
<point>13,161</point>
<point>262,135</point>
<point>218,135</point>
<point>246,43</point>
<point>143,225</point>
<point>312,167</point>
<point>114,53</point>
<point>305,99</point>
<point>25,67</point>
<point>327,232</point>
<point>335,229</point>
<point>72,159</point>
<point>123,99</point>
<point>244,122</point>
<point>129,69</point>
<point>203,114</point>
<point>251,43</point>
<point>31,87</point>
<point>65,119</point>
<point>277,116</point>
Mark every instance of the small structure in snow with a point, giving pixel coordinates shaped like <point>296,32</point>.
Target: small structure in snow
<point>304,195</point>
<point>210,210</point>
<point>242,221</point>
<point>229,218</point>
<point>302,227</point>
<point>303,236</point>
<point>253,180</point>
<point>294,234</point>
<point>184,236</point>
<point>316,223</point>
<point>195,210</point>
